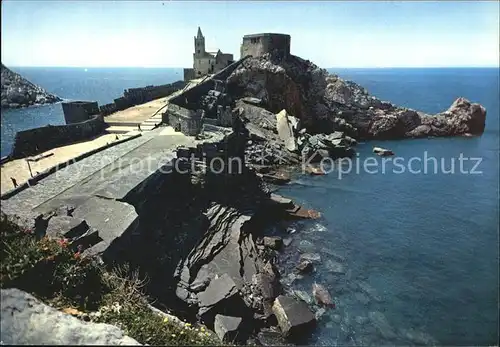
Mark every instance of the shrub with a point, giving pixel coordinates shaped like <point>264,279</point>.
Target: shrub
<point>53,271</point>
<point>47,268</point>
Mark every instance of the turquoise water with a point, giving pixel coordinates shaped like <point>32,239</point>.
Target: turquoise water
<point>96,84</point>
<point>420,249</point>
<point>425,244</point>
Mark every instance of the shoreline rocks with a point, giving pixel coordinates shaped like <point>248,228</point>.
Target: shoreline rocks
<point>324,103</point>
<point>18,92</point>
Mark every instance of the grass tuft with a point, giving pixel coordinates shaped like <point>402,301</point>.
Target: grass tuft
<point>55,272</point>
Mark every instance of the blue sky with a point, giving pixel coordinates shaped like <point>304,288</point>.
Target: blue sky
<point>331,34</point>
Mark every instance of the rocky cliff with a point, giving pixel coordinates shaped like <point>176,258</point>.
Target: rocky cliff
<point>19,92</point>
<point>324,102</point>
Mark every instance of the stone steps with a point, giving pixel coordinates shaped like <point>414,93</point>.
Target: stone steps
<point>118,123</point>
<point>116,129</point>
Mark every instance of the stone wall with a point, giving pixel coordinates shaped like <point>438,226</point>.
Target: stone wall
<point>260,44</point>
<point>189,74</point>
<point>79,111</point>
<point>189,104</point>
<point>38,140</point>
<point>188,122</point>
<point>137,96</point>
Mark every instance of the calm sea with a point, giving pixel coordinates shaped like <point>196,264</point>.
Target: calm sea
<point>419,248</point>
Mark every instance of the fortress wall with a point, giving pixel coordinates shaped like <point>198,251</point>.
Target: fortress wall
<point>137,96</point>
<point>38,140</point>
<point>260,44</point>
<point>79,111</point>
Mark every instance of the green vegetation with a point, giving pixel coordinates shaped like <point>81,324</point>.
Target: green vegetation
<point>55,272</point>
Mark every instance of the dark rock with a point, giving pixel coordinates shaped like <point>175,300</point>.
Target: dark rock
<point>324,102</point>
<point>87,240</point>
<point>304,296</point>
<point>273,242</point>
<point>65,226</point>
<point>311,257</point>
<point>294,317</point>
<point>305,266</point>
<point>382,151</point>
<point>287,241</point>
<point>322,296</point>
<point>219,290</point>
<point>19,92</point>
<point>228,328</point>
<point>267,285</point>
<point>319,313</point>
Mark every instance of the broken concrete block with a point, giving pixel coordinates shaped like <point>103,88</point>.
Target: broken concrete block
<point>285,131</point>
<point>294,316</point>
<point>219,289</point>
<point>227,328</point>
<point>66,226</point>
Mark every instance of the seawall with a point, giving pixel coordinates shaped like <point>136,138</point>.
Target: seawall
<point>38,140</point>
<point>137,96</point>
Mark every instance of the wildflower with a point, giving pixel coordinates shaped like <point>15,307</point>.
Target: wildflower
<point>50,258</point>
<point>28,231</point>
<point>165,320</point>
<point>77,255</point>
<point>173,335</point>
<point>63,242</point>
<point>182,332</point>
<point>188,324</point>
<point>80,248</point>
<point>202,329</point>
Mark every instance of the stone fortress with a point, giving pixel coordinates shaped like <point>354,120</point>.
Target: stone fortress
<point>255,45</point>
<point>208,104</point>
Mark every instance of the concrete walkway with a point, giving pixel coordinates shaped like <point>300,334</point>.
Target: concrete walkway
<point>19,170</point>
<point>147,116</point>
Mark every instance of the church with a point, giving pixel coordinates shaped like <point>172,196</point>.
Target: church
<point>206,63</point>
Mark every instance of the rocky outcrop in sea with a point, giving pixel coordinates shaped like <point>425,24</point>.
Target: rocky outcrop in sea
<point>19,92</point>
<point>325,103</point>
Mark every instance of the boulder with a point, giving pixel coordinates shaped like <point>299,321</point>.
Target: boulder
<point>227,328</point>
<point>285,130</point>
<point>287,241</point>
<point>304,296</point>
<point>218,291</point>
<point>27,321</point>
<point>273,242</point>
<point>305,266</point>
<point>267,285</point>
<point>311,257</point>
<point>294,317</point>
<point>322,296</point>
<point>382,151</point>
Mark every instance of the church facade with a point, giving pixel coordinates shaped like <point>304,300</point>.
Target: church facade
<point>206,63</point>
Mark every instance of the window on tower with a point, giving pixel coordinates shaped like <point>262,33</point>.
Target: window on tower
<point>198,51</point>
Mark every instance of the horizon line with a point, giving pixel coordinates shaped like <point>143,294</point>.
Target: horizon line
<point>330,67</point>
